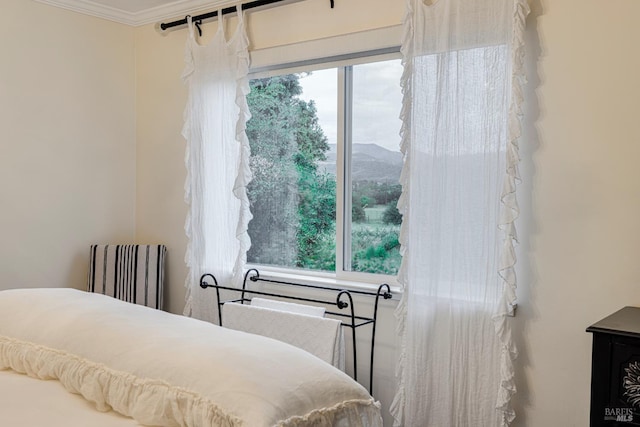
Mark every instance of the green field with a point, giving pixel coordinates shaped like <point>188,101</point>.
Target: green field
<point>374,214</point>
<point>374,244</point>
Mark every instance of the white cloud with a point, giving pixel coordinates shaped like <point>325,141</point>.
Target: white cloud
<point>377,102</point>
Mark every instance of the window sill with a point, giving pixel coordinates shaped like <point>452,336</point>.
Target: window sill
<point>329,280</point>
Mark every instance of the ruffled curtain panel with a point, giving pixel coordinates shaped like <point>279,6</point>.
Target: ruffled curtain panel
<point>217,162</point>
<point>463,71</point>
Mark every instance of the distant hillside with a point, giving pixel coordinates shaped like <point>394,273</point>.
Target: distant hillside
<point>369,162</point>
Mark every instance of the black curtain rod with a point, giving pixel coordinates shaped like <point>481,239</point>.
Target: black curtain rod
<point>225,11</point>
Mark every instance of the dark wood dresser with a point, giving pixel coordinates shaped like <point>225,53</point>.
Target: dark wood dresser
<point>615,369</point>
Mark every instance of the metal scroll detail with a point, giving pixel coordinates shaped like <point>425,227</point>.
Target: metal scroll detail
<point>631,384</point>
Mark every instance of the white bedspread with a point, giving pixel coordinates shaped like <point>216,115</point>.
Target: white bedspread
<point>168,370</point>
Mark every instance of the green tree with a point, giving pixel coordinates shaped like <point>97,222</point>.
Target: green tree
<point>293,201</point>
<point>358,213</point>
<point>317,216</point>
<point>391,214</point>
<point>272,192</point>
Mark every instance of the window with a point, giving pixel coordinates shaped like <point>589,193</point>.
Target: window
<point>326,164</point>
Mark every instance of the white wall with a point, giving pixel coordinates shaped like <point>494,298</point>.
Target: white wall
<point>67,142</point>
<point>581,201</point>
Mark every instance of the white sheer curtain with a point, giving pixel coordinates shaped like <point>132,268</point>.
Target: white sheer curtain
<point>462,93</point>
<point>217,161</point>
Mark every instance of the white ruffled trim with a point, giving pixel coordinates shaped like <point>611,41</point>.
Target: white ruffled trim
<point>189,69</point>
<point>399,400</point>
<point>148,401</point>
<point>244,172</point>
<point>509,213</point>
<point>350,411</point>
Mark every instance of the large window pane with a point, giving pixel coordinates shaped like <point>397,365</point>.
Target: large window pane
<point>293,191</point>
<point>296,141</point>
<point>376,163</point>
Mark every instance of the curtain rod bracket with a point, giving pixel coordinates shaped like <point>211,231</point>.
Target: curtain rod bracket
<point>162,27</point>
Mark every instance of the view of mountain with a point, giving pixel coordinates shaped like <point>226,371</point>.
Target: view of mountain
<point>369,162</point>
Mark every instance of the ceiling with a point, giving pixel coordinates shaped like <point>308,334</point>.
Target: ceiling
<point>136,12</point>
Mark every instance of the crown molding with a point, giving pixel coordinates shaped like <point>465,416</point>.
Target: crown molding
<point>146,16</point>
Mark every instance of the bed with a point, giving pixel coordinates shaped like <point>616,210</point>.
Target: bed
<point>90,359</point>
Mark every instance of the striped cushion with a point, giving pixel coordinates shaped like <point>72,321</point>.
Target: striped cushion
<point>133,273</point>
